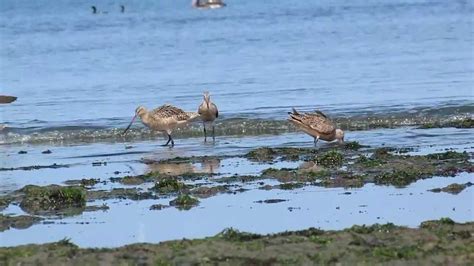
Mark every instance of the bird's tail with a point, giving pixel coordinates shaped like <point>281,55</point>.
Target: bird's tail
<point>294,112</point>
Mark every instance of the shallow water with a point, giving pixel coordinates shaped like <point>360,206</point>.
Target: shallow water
<point>79,75</point>
<point>307,207</point>
<point>369,64</point>
<point>310,206</point>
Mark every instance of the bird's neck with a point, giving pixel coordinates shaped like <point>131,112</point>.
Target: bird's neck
<point>145,117</point>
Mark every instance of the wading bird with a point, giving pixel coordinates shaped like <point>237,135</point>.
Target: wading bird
<point>207,4</point>
<point>208,112</point>
<point>164,118</point>
<point>317,125</point>
<point>7,99</point>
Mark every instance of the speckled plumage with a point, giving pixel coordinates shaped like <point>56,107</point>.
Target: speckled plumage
<point>317,125</point>
<point>164,118</point>
<point>167,111</point>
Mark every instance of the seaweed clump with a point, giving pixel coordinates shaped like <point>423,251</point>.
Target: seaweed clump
<point>453,188</point>
<point>52,198</point>
<point>231,234</point>
<point>330,159</point>
<point>184,202</point>
<point>169,185</point>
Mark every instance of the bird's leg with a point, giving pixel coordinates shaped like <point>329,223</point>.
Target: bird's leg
<point>316,140</point>
<point>172,142</point>
<point>169,139</point>
<point>213,133</point>
<point>205,133</point>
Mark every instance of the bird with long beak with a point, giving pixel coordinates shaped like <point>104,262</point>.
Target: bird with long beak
<point>208,112</point>
<point>317,125</point>
<point>164,118</point>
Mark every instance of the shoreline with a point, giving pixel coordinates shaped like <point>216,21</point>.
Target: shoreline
<point>434,242</point>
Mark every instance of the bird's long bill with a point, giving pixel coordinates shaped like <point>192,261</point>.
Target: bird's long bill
<point>133,119</point>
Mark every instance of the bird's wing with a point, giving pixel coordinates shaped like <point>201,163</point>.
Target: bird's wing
<point>214,107</point>
<point>316,122</point>
<point>169,111</point>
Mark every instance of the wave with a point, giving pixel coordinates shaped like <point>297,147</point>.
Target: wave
<point>242,126</point>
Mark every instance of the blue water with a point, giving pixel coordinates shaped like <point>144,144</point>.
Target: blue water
<point>80,76</point>
<point>71,68</point>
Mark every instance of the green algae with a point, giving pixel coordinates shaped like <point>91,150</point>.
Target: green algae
<point>435,242</point>
<point>452,188</point>
<point>184,202</point>
<point>169,185</point>
<point>52,198</point>
<point>448,155</point>
<point>330,159</point>
<point>206,192</point>
<point>353,145</point>
<point>120,193</point>
<point>231,234</point>
<point>461,123</point>
<point>401,178</point>
<point>369,162</point>
<point>291,185</point>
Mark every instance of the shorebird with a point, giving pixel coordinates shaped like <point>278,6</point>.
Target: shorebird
<point>317,125</point>
<point>7,99</point>
<point>208,112</point>
<point>208,4</point>
<point>164,118</point>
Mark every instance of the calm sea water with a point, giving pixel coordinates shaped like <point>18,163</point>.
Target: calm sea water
<point>81,73</point>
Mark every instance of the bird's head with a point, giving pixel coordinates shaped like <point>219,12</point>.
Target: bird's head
<point>207,98</point>
<point>140,111</point>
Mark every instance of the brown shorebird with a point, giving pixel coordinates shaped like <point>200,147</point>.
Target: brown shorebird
<point>208,112</point>
<point>7,99</point>
<point>207,4</point>
<point>164,118</point>
<point>317,125</point>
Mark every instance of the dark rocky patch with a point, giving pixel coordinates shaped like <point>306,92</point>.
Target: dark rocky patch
<point>184,202</point>
<point>35,167</point>
<point>270,201</point>
<point>453,188</point>
<point>157,207</point>
<point>17,222</point>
